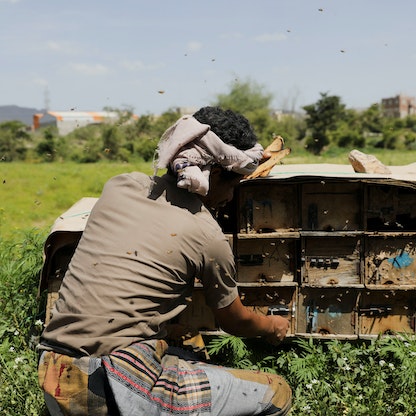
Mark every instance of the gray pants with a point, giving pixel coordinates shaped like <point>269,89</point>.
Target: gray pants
<point>144,379</point>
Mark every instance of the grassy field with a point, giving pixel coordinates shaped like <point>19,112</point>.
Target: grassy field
<point>328,378</point>
<point>34,195</point>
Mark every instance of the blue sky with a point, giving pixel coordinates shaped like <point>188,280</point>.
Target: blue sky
<point>156,54</point>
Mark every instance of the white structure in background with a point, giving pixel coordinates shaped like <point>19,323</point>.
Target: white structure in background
<point>68,121</point>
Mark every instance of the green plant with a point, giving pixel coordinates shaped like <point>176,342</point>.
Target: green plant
<point>336,377</point>
<point>346,378</point>
<point>323,118</point>
<point>237,352</point>
<point>21,321</point>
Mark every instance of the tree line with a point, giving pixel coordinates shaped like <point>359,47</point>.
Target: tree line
<point>323,125</point>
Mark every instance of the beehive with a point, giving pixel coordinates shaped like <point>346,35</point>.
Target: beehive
<point>330,249</point>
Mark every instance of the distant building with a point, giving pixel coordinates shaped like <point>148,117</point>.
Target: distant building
<point>68,121</point>
<point>399,107</point>
<point>280,115</point>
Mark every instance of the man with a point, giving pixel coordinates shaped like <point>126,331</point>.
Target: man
<point>145,242</point>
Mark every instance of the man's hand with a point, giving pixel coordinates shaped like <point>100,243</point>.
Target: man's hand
<point>279,328</point>
<point>238,320</point>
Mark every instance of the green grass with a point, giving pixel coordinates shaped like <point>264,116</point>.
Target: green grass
<point>34,195</point>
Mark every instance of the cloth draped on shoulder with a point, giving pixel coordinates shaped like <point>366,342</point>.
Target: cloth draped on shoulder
<point>190,148</point>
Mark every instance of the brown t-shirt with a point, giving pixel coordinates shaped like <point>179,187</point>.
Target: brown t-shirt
<point>135,266</point>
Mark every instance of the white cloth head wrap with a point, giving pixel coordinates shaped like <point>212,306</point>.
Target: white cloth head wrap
<point>190,148</point>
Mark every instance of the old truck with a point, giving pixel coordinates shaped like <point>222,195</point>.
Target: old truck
<point>331,249</point>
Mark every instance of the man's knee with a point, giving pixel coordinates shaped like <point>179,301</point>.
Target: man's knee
<point>281,396</point>
<point>278,395</point>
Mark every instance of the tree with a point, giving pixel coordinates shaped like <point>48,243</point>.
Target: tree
<point>245,97</point>
<point>13,141</point>
<point>349,132</point>
<point>111,138</point>
<point>323,117</point>
<point>87,144</point>
<point>372,119</point>
<point>249,99</point>
<point>46,147</point>
<point>399,133</point>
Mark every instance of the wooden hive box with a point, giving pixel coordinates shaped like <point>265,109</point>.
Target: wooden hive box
<point>265,259</point>
<point>384,312</point>
<point>331,206</point>
<point>390,208</point>
<point>272,300</point>
<point>390,259</point>
<point>331,259</point>
<point>327,313</point>
<point>266,206</point>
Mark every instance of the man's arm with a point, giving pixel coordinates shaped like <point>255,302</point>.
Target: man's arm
<point>238,320</point>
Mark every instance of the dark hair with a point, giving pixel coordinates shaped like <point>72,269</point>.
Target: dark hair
<point>231,127</point>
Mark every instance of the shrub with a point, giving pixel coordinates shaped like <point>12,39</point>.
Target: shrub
<point>333,377</point>
<point>21,321</point>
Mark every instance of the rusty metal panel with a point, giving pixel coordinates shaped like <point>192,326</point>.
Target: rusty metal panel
<point>390,259</point>
<point>266,260</point>
<point>269,300</point>
<point>327,312</point>
<point>267,207</point>
<point>390,208</point>
<point>331,261</point>
<point>329,206</point>
<point>387,312</point>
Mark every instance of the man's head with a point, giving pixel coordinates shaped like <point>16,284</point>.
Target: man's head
<point>233,129</point>
<point>214,148</point>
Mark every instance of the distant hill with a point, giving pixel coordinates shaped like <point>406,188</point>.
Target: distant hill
<point>14,112</point>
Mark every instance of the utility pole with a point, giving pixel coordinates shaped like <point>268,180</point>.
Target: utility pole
<point>46,99</point>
